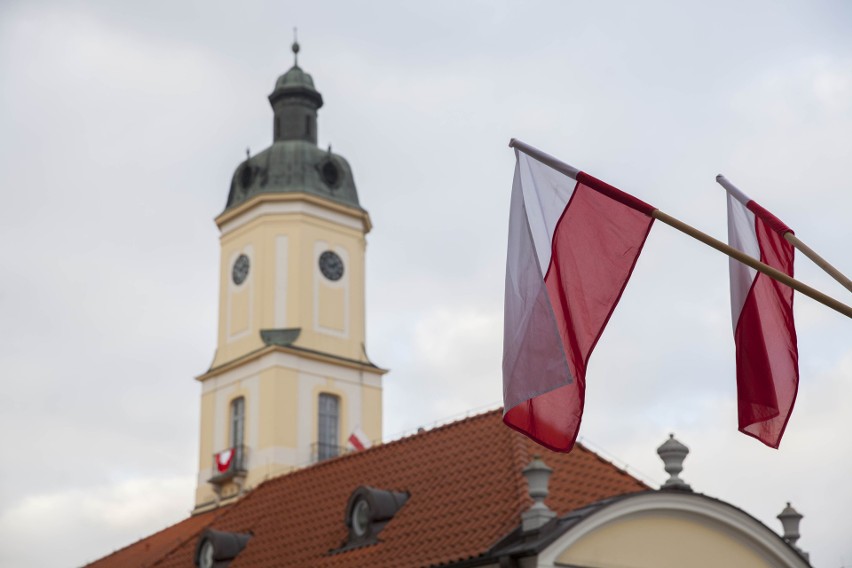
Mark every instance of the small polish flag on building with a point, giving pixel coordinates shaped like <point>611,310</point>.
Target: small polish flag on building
<point>359,440</point>
<point>223,460</point>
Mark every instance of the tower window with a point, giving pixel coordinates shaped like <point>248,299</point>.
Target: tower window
<point>329,426</point>
<point>330,174</point>
<point>246,176</point>
<point>230,464</point>
<point>238,420</point>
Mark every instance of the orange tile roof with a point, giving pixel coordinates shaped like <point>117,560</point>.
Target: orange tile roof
<point>146,552</point>
<point>466,487</point>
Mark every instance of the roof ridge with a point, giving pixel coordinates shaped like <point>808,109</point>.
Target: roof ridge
<point>611,463</point>
<point>384,446</point>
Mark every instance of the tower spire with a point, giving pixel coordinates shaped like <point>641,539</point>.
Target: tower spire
<point>295,47</point>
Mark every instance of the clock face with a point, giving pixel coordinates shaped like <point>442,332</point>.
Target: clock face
<point>331,265</point>
<point>240,270</point>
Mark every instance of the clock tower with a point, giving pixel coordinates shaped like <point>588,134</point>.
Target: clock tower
<point>290,380</point>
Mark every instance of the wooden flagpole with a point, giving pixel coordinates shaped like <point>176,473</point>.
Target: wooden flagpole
<point>819,261</point>
<point>754,263</point>
<point>793,239</point>
<point>701,236</point>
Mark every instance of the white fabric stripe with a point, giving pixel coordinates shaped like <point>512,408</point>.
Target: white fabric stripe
<point>534,360</point>
<point>546,193</point>
<point>516,254</point>
<point>742,236</point>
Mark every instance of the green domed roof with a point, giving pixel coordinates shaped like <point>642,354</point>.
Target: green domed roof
<point>295,83</point>
<point>294,163</point>
<point>295,77</point>
<point>292,166</point>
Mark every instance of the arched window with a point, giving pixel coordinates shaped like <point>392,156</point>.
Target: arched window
<point>238,421</point>
<point>329,426</point>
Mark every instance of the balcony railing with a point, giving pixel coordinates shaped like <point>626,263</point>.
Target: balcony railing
<point>229,463</point>
<point>321,451</point>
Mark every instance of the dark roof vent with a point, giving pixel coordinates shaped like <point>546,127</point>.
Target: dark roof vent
<point>216,549</point>
<point>367,512</point>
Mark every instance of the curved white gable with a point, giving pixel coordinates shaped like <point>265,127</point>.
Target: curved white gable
<point>670,530</point>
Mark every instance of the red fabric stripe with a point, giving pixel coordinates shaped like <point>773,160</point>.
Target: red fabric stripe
<point>765,338</point>
<point>551,419</point>
<point>771,220</point>
<point>356,443</point>
<point>223,466</point>
<point>595,247</point>
<point>615,193</point>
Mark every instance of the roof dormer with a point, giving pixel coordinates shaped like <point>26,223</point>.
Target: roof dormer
<point>368,511</point>
<point>216,549</point>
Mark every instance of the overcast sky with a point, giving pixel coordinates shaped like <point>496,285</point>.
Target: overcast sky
<point>122,123</point>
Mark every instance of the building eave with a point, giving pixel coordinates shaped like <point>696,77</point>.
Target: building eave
<point>292,350</point>
<point>262,198</point>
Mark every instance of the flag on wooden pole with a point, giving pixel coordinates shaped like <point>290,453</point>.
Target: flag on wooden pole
<point>794,240</point>
<point>573,243</point>
<point>762,315</point>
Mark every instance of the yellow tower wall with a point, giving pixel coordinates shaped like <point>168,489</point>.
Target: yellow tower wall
<point>283,236</point>
<point>284,287</point>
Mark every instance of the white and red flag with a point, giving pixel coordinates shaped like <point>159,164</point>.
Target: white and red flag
<point>359,440</point>
<point>762,315</point>
<point>224,459</point>
<point>573,243</point>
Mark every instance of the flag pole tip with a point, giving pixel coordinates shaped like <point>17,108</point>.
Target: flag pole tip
<point>719,177</point>
<point>512,142</point>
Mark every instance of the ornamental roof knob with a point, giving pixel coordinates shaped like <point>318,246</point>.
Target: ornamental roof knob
<point>790,519</point>
<point>672,452</point>
<point>537,474</point>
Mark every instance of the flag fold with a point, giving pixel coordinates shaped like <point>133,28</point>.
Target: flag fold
<point>573,243</point>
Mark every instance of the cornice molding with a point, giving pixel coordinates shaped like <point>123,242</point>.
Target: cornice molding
<point>296,351</point>
<point>230,219</point>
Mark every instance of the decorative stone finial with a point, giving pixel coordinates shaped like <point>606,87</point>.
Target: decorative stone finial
<point>295,47</point>
<point>790,519</point>
<point>673,453</point>
<point>537,474</point>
